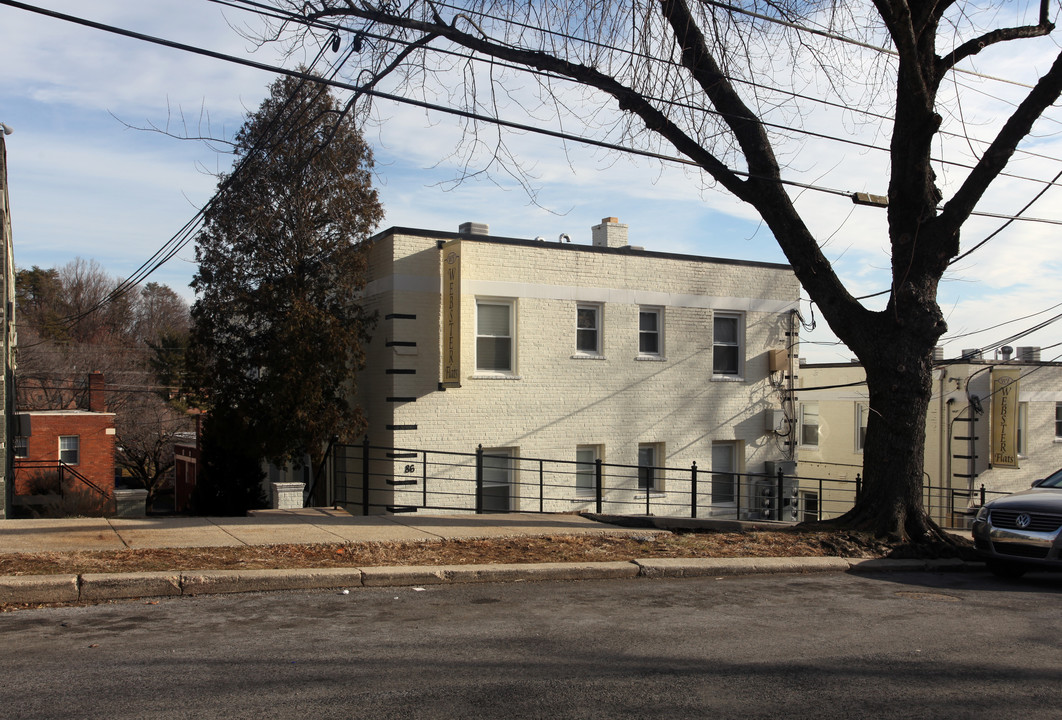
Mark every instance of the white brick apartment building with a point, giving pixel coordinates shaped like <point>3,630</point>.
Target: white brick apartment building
<point>573,352</point>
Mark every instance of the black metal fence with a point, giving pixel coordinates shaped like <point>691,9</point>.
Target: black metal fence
<point>369,479</point>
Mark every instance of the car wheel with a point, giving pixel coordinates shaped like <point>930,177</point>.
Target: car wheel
<point>1006,570</point>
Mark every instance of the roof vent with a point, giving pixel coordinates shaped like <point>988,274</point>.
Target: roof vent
<point>971,354</point>
<point>471,228</point>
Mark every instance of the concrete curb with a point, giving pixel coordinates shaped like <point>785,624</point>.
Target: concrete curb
<point>93,587</point>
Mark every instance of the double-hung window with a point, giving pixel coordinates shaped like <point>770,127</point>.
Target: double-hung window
<point>1058,421</point>
<point>862,412</point>
<point>588,329</point>
<point>727,334</point>
<point>586,457</point>
<point>809,424</point>
<point>21,446</point>
<point>650,474</point>
<point>69,449</point>
<point>494,336</point>
<point>1023,427</point>
<point>724,473</point>
<point>650,332</point>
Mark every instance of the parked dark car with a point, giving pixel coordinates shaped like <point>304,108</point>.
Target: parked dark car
<point>1020,532</point>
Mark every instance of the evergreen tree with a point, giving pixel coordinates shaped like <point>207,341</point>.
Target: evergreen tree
<point>277,329</point>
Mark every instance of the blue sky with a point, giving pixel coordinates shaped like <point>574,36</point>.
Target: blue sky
<point>85,185</point>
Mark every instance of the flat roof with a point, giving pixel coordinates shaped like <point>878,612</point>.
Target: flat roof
<point>627,250</point>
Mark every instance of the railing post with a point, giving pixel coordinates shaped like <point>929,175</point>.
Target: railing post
<point>424,480</point>
<point>859,486</point>
<point>693,490</point>
<point>365,476</point>
<point>982,494</point>
<point>541,488</point>
<point>598,484</point>
<point>647,512</point>
<point>781,491</point>
<point>479,479</point>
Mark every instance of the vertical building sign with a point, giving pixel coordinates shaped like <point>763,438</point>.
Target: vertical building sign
<point>451,325</point>
<point>1005,417</point>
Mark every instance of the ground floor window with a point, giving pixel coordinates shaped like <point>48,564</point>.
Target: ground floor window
<point>498,471</point>
<point>650,474</point>
<point>724,473</point>
<point>21,446</point>
<point>586,457</point>
<point>809,506</point>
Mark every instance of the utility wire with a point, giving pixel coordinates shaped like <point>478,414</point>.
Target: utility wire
<point>452,111</point>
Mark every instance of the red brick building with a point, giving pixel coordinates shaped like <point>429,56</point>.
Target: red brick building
<point>66,462</point>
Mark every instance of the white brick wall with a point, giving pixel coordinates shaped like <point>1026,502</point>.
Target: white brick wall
<point>556,401</point>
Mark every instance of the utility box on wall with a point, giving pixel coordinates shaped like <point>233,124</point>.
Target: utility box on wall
<point>775,422</point>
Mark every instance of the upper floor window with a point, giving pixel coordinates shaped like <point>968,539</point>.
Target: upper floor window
<point>809,424</point>
<point>588,329</point>
<point>650,325</point>
<point>69,449</point>
<point>21,446</point>
<point>1023,425</point>
<point>726,344</point>
<point>862,412</point>
<point>494,336</point>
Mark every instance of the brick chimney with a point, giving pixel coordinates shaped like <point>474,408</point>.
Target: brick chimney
<point>610,233</point>
<point>97,401</point>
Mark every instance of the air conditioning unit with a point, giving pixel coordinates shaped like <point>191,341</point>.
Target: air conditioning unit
<point>1028,354</point>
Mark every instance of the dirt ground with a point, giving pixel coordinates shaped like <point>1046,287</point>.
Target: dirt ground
<point>651,544</point>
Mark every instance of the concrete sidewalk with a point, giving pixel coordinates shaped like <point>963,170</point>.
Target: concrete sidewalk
<point>274,527</point>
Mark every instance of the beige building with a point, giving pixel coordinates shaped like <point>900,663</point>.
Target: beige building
<point>963,428</point>
<point>573,353</point>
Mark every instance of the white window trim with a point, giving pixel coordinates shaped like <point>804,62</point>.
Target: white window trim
<point>862,415</point>
<point>60,445</point>
<point>659,312</point>
<point>599,315</point>
<point>739,376</point>
<point>818,424</point>
<point>591,491</point>
<point>659,474</point>
<point>511,373</point>
<point>734,472</point>
<point>1023,429</point>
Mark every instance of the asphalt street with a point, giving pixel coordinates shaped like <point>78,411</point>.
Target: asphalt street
<point>831,645</point>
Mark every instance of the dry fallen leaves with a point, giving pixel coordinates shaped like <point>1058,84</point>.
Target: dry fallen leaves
<point>560,548</point>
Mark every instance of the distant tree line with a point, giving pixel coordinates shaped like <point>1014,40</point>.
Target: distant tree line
<point>71,322</point>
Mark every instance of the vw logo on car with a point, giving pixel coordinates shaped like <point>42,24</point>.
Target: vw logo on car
<point>1023,521</point>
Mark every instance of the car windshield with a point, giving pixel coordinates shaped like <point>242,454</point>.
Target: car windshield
<point>1053,480</point>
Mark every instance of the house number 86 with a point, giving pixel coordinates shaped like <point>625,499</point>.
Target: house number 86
<point>410,468</point>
